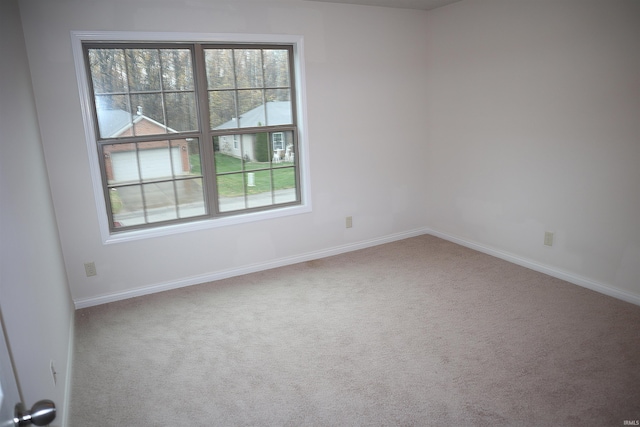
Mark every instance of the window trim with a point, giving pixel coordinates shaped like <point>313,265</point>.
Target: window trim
<point>78,37</point>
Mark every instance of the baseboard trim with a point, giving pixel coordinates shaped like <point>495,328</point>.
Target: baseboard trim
<point>533,265</point>
<point>281,262</point>
<point>224,274</point>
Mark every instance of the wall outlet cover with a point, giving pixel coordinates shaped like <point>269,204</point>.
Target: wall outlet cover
<point>548,238</point>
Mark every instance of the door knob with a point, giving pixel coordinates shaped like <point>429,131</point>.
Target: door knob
<point>41,414</point>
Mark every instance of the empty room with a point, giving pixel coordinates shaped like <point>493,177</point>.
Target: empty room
<point>323,213</point>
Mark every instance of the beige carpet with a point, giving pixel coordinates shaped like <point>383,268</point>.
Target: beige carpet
<point>419,332</point>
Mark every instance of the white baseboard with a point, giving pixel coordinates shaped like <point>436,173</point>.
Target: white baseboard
<point>224,274</point>
<point>551,271</point>
<point>280,262</point>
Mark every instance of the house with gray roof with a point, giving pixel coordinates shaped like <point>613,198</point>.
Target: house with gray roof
<point>244,145</point>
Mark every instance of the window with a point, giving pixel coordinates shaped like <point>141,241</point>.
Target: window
<point>278,141</point>
<point>192,131</point>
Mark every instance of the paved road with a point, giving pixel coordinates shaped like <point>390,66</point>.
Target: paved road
<point>160,201</point>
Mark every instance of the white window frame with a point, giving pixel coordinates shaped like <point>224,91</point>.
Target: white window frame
<point>281,140</point>
<point>78,37</point>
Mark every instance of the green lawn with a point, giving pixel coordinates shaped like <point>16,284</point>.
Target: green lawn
<point>233,179</point>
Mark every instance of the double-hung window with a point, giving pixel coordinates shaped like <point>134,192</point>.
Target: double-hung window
<point>192,131</point>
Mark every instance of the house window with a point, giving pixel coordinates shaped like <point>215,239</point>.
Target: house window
<point>278,141</point>
<point>188,131</point>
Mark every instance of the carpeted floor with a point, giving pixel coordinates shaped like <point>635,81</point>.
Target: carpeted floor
<point>418,332</point>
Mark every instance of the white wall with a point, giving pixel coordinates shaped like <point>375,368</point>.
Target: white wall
<point>34,298</point>
<point>534,125</point>
<point>488,121</point>
<point>366,102</point>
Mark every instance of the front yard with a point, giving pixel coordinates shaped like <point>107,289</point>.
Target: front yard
<point>233,175</point>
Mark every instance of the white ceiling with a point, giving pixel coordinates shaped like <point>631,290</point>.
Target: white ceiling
<point>404,4</point>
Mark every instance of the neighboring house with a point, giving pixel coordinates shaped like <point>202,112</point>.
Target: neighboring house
<point>244,145</point>
<point>152,159</point>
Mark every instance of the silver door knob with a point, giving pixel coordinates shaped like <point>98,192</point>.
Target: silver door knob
<point>41,414</point>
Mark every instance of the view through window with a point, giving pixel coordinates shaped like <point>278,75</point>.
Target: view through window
<point>189,131</point>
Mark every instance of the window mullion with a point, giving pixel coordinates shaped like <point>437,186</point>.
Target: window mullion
<point>263,89</point>
<point>143,195</point>
<point>235,84</point>
<point>207,164</point>
<point>128,93</point>
<point>162,97</point>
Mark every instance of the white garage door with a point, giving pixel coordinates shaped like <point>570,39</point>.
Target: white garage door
<point>154,163</point>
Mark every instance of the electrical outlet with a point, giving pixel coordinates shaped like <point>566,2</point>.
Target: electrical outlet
<point>90,269</point>
<point>54,374</point>
<point>349,222</point>
<point>548,238</point>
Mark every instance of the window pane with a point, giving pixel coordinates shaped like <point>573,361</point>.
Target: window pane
<point>190,198</point>
<point>154,159</point>
<point>108,70</point>
<point>260,146</point>
<point>219,64</point>
<point>283,149</point>
<point>228,155</point>
<point>148,116</point>
<point>259,189</point>
<point>195,162</point>
<point>248,68</point>
<point>284,183</point>
<point>160,201</point>
<point>177,72</point>
<point>127,206</point>
<point>279,113</point>
<point>251,108</point>
<point>276,67</point>
<point>181,111</point>
<point>185,156</point>
<point>121,163</point>
<point>237,152</point>
<point>283,95</point>
<point>222,110</point>
<point>114,116</point>
<point>231,192</point>
<point>144,70</point>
